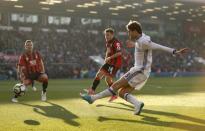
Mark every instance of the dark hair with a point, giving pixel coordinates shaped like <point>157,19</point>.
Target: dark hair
<point>134,25</point>
<point>111,30</point>
<point>28,41</point>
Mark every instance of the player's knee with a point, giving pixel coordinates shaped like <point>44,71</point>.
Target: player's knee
<point>43,79</point>
<point>45,75</point>
<point>46,78</point>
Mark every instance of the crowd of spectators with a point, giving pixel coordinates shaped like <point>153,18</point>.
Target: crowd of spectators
<point>66,54</point>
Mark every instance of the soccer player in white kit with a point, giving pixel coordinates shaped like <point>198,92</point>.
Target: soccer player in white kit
<point>137,76</point>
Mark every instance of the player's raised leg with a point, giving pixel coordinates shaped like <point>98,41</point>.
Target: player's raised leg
<point>108,92</point>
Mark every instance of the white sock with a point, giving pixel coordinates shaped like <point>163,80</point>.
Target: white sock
<point>105,93</point>
<point>131,99</point>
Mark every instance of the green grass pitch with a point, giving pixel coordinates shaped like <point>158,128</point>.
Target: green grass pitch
<point>170,104</point>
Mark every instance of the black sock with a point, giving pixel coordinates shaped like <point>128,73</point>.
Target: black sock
<point>45,85</point>
<point>96,82</point>
<point>16,96</point>
<point>32,84</point>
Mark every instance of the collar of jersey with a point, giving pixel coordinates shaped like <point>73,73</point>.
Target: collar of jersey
<point>139,37</point>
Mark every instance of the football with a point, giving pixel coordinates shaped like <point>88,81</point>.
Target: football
<point>19,89</point>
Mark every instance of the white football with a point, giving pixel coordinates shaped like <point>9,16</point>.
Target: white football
<point>19,89</point>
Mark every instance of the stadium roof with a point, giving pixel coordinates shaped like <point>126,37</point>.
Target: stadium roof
<point>180,10</point>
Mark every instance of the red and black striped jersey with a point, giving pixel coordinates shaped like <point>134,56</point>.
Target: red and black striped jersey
<point>31,62</point>
<point>115,46</point>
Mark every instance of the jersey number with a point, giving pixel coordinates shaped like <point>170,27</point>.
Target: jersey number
<point>110,69</point>
<point>118,46</point>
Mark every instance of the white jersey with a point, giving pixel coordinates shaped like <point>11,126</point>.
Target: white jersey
<point>143,53</point>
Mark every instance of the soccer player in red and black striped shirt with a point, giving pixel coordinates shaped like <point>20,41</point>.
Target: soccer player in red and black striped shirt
<point>113,62</point>
<point>30,68</point>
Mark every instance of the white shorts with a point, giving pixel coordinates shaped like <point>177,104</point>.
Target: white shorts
<point>136,78</point>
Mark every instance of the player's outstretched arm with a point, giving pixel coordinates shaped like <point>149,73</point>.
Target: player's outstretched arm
<point>181,51</point>
<point>155,46</point>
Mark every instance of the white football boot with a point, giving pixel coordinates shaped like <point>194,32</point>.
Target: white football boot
<point>138,108</point>
<point>43,96</point>
<point>15,100</point>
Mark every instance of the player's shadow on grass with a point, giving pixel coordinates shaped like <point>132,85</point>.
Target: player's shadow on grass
<point>156,121</point>
<point>55,111</point>
<point>32,122</point>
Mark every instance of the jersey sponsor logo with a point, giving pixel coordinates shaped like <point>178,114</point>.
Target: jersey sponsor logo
<point>33,62</point>
<point>118,46</point>
<point>110,69</point>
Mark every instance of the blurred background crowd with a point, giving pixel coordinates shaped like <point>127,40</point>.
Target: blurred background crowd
<point>66,54</point>
<point>68,32</point>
